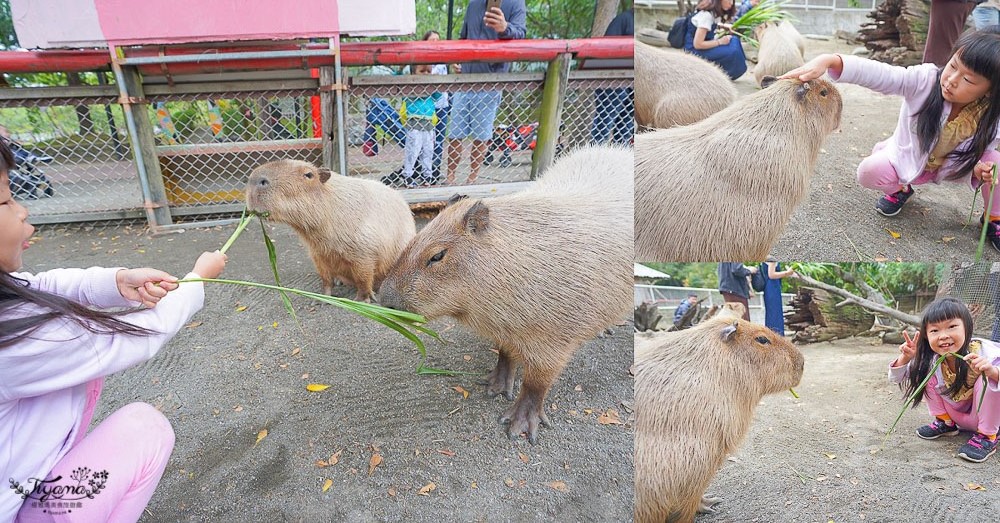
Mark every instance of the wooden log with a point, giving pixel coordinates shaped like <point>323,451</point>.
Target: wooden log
<point>815,316</point>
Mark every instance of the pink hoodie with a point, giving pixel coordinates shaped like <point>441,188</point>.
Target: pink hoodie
<point>914,84</point>
<point>43,379</point>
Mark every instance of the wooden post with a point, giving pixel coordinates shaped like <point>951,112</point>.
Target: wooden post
<point>550,117</point>
<point>328,115</point>
<point>144,148</point>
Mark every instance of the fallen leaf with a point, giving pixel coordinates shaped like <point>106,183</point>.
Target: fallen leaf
<point>391,491</point>
<point>947,239</point>
<point>424,490</point>
<point>558,485</point>
<point>523,457</point>
<point>241,308</point>
<point>830,456</point>
<point>296,350</point>
<point>467,357</point>
<point>322,464</point>
<point>609,418</point>
<point>274,325</point>
<point>261,435</point>
<point>881,259</point>
<point>374,462</point>
<point>509,482</point>
<point>334,459</point>
<point>578,388</point>
<point>238,408</point>
<point>460,390</point>
<point>193,324</point>
<point>316,387</point>
<point>588,411</point>
<point>446,452</point>
<point>327,484</point>
<point>974,486</point>
<point>474,485</point>
<point>893,233</point>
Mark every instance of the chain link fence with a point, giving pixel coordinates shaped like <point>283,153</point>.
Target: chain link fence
<point>978,286</point>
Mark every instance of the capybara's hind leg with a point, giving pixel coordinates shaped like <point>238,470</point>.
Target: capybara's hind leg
<point>501,378</point>
<point>708,504</point>
<point>529,409</point>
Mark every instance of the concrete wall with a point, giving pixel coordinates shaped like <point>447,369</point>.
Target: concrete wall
<point>807,20</point>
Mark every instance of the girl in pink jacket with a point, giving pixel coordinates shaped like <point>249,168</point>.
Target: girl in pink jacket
<point>947,129</point>
<point>56,346</point>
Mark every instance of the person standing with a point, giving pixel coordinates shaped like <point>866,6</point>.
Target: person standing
<point>944,25</point>
<point>734,286</point>
<point>473,112</point>
<point>614,113</point>
<point>682,309</point>
<point>774,313</point>
<point>986,14</point>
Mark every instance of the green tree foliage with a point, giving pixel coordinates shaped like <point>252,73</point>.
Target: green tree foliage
<point>8,40</point>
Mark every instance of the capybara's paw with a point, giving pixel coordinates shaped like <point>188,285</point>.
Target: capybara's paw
<point>524,417</point>
<point>708,504</point>
<point>500,381</point>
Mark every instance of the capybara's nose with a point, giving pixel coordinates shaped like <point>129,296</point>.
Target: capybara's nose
<point>262,182</point>
<point>389,297</point>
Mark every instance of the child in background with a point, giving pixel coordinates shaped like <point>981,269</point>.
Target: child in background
<point>953,392</point>
<point>56,346</point>
<point>420,121</point>
<point>947,129</point>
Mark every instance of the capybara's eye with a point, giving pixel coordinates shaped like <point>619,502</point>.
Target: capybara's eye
<point>437,257</point>
<point>309,175</point>
<point>763,340</point>
<point>823,92</point>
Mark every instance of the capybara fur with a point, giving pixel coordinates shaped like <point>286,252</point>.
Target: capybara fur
<point>676,88</point>
<point>780,50</point>
<point>695,394</point>
<point>723,188</point>
<point>354,229</point>
<point>538,272</point>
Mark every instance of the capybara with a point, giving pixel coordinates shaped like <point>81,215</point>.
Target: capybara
<point>695,393</point>
<point>538,272</point>
<point>677,88</point>
<point>780,50</point>
<point>723,188</point>
<point>354,229</point>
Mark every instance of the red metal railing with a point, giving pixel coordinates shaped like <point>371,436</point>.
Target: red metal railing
<point>352,54</point>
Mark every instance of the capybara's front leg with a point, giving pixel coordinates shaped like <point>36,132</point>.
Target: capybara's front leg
<point>529,409</point>
<point>501,379</point>
<point>363,278</point>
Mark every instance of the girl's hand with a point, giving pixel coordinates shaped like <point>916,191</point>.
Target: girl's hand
<point>983,171</point>
<point>210,264</point>
<point>908,349</point>
<point>144,285</point>
<point>978,362</point>
<point>724,40</point>
<point>815,68</point>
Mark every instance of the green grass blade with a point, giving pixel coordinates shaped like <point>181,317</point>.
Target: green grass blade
<point>986,217</point>
<point>244,221</point>
<point>916,393</point>
<point>986,383</point>
<point>272,256</point>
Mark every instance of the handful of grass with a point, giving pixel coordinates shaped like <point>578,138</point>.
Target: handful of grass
<point>405,323</point>
<point>986,217</point>
<point>765,11</point>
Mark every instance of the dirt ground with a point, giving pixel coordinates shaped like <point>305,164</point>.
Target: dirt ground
<point>233,373</point>
<point>824,457</point>
<point>838,221</point>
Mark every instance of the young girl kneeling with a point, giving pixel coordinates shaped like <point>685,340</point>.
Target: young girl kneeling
<point>954,391</point>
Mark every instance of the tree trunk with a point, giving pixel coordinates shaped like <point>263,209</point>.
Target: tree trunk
<point>868,304</point>
<point>604,12</point>
<point>84,123</point>
<point>816,315</point>
<point>647,316</point>
<point>897,32</point>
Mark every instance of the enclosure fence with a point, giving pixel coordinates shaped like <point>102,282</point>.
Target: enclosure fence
<point>200,135</point>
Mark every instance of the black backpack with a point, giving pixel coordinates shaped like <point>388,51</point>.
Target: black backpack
<point>678,32</point>
<point>757,280</point>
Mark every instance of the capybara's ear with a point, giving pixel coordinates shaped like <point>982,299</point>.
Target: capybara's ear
<point>324,174</point>
<point>729,331</point>
<point>767,81</point>
<point>455,198</point>
<point>477,218</point>
<point>802,91</point>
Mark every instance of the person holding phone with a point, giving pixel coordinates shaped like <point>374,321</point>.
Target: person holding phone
<point>473,111</point>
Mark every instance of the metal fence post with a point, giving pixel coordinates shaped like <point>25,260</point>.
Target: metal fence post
<point>328,117</point>
<point>134,104</point>
<point>550,115</point>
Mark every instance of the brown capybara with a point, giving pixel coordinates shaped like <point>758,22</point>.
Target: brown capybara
<point>538,272</point>
<point>354,229</point>
<point>676,88</point>
<point>780,49</point>
<point>723,188</point>
<point>695,393</point>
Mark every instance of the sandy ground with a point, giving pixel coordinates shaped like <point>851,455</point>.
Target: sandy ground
<point>233,373</point>
<point>824,457</point>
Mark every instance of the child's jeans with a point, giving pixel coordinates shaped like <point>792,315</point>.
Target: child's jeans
<point>985,421</point>
<point>132,446</point>
<point>875,172</point>
<point>419,144</point>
